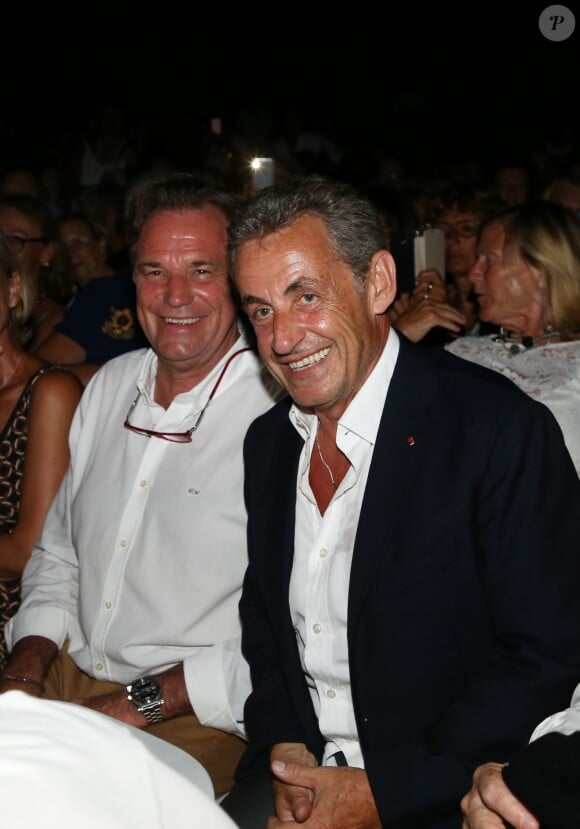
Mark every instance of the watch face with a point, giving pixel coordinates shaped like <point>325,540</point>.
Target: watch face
<point>145,689</point>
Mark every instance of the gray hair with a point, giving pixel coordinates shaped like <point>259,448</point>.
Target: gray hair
<point>349,217</point>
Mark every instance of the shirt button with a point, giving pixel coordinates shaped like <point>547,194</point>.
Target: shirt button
<point>142,483</point>
<point>108,605</point>
<point>99,666</point>
<point>317,628</point>
<point>124,542</point>
<point>323,552</point>
<point>330,693</point>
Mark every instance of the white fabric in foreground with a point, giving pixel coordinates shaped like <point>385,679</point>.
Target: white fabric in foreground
<point>565,722</point>
<point>63,765</point>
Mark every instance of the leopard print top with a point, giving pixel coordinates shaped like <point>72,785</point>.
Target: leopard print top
<point>13,443</point>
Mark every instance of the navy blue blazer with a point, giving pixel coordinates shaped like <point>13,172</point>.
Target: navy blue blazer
<point>463,609</point>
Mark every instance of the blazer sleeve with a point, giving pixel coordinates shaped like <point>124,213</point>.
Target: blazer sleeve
<point>545,775</point>
<point>517,629</point>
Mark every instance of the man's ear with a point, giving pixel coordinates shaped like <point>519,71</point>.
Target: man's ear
<point>383,281</point>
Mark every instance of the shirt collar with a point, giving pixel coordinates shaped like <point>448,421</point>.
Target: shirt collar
<point>148,374</point>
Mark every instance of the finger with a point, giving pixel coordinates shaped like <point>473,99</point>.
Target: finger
<point>428,275</point>
<point>275,823</point>
<point>300,797</point>
<point>292,773</point>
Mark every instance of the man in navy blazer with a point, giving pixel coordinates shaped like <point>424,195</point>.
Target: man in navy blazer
<point>410,606</point>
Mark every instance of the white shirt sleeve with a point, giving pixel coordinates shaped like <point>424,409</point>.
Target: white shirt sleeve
<point>223,706</point>
<point>565,722</point>
<point>143,552</point>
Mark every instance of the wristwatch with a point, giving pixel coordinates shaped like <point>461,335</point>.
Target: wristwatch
<point>145,694</point>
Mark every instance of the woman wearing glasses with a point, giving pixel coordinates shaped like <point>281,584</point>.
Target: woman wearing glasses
<point>37,402</point>
<point>527,280</point>
<point>43,263</point>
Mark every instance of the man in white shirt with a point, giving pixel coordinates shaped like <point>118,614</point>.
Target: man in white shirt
<point>130,598</point>
<point>410,600</point>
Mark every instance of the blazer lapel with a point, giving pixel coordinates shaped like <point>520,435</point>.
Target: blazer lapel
<point>280,514</point>
<point>406,426</point>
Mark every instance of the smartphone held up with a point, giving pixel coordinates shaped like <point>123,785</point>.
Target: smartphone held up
<point>262,172</point>
<point>415,251</point>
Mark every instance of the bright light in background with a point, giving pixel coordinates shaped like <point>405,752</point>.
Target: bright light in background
<point>262,172</point>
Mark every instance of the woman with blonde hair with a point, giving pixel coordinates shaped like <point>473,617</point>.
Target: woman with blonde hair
<point>527,280</point>
<point>37,402</point>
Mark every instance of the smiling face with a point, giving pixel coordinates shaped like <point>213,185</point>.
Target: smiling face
<point>510,292</point>
<point>184,302</point>
<point>318,332</point>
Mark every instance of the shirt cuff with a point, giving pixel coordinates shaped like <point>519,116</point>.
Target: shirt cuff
<point>217,679</point>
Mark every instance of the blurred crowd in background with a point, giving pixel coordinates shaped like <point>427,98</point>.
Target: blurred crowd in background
<point>92,166</point>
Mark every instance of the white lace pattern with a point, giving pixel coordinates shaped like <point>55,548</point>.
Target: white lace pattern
<point>548,373</point>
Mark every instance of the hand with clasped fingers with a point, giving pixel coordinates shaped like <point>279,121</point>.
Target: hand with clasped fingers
<point>489,803</point>
<point>427,307</point>
<point>315,797</point>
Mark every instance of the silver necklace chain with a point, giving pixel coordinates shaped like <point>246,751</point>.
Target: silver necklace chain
<point>326,466</point>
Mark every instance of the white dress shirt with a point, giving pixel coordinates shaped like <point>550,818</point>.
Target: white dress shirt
<point>565,722</point>
<point>143,552</point>
<point>323,547</point>
<point>63,765</point>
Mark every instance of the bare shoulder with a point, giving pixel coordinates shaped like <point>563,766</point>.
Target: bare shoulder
<point>56,383</point>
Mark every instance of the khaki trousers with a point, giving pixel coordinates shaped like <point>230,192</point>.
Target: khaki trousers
<point>217,751</point>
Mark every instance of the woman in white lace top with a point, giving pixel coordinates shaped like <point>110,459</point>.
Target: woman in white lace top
<point>527,280</point>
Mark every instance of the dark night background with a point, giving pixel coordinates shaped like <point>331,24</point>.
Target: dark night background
<point>426,83</point>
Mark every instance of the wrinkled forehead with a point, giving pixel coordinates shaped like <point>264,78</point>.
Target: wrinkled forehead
<point>195,228</point>
<point>302,245</point>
